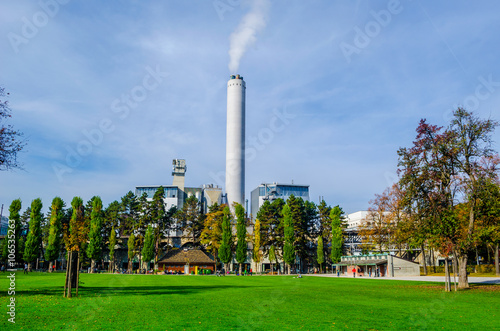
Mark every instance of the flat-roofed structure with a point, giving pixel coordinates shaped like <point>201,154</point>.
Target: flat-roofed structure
<point>272,191</point>
<point>377,265</point>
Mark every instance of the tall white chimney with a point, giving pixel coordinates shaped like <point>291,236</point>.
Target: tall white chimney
<point>235,141</point>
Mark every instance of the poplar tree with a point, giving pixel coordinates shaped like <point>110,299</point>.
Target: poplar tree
<point>256,242</point>
<point>54,244</point>
<point>14,215</point>
<point>337,238</point>
<point>288,248</point>
<point>148,249</point>
<point>33,240</point>
<point>225,253</point>
<point>321,257</point>
<point>241,233</point>
<point>94,249</point>
<point>75,233</point>
<point>131,251</point>
<point>111,246</point>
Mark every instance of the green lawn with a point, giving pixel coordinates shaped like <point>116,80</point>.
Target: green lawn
<point>136,302</point>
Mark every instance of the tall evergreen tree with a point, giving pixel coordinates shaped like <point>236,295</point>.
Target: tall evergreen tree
<point>159,218</point>
<point>94,248</point>
<point>131,251</point>
<point>14,209</point>
<point>288,248</point>
<point>337,238</point>
<point>225,249</point>
<point>301,227</point>
<point>130,211</point>
<point>54,244</point>
<point>191,219</point>
<point>320,254</point>
<point>33,240</point>
<point>241,233</point>
<point>148,249</point>
<point>271,225</point>
<point>111,247</point>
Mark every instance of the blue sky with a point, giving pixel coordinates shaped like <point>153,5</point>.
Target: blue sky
<point>109,93</point>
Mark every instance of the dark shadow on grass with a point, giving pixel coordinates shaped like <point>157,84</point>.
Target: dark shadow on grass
<point>132,290</point>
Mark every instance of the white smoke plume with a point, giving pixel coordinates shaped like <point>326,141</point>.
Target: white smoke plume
<point>244,35</point>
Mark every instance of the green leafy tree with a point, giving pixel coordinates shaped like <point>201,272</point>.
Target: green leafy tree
<point>241,233</point>
<point>336,235</point>
<point>320,254</point>
<point>33,240</point>
<point>111,247</point>
<point>288,248</point>
<point>14,209</point>
<point>94,248</point>
<point>225,251</point>
<point>148,249</point>
<point>131,251</point>
<point>54,243</point>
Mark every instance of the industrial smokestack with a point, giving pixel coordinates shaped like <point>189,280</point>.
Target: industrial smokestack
<point>235,141</point>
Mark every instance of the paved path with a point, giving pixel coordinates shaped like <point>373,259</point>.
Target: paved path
<point>477,280</point>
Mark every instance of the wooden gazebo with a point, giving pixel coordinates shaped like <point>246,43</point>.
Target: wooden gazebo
<point>186,261</point>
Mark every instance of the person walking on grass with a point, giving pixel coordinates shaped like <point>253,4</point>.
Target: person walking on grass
<point>354,272</point>
<point>26,268</point>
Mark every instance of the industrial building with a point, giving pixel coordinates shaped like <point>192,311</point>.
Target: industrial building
<point>177,193</point>
<point>235,141</point>
<point>272,191</point>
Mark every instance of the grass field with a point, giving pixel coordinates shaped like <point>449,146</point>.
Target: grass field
<point>136,302</point>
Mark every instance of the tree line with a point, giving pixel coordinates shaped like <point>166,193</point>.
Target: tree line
<point>286,231</point>
<point>446,199</point>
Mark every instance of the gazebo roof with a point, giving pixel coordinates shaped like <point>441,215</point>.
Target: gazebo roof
<point>186,256</point>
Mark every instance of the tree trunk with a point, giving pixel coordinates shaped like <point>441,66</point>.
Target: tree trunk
<point>455,268</point>
<point>462,273</point>
<point>92,266</point>
<point>497,266</point>
<point>77,271</point>
<point>289,269</point>
<point>240,270</point>
<point>272,269</point>
<point>50,266</point>
<point>446,274</point>
<point>69,274</point>
<point>66,279</point>
<point>433,261</point>
<point>423,259</point>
